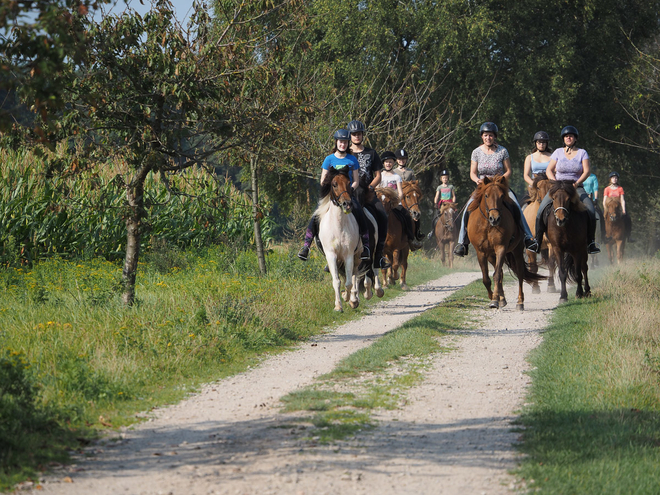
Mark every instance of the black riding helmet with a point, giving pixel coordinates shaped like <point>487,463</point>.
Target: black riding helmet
<point>444,172</point>
<point>355,126</point>
<point>387,155</point>
<point>614,174</point>
<point>342,134</point>
<point>488,127</point>
<point>569,129</point>
<point>401,153</point>
<point>541,136</point>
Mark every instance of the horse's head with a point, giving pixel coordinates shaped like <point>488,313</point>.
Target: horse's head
<point>491,194</point>
<point>338,186</point>
<point>412,195</point>
<point>564,200</point>
<point>388,197</point>
<point>448,215</point>
<point>539,188</point>
<point>613,209</point>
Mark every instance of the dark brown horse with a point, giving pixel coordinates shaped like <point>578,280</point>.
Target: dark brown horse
<point>567,233</point>
<point>497,239</point>
<point>446,232</point>
<point>397,246</point>
<point>615,229</point>
<point>537,192</point>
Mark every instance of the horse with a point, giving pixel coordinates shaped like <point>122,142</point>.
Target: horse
<point>339,235</point>
<point>412,195</point>
<point>615,229</point>
<point>537,191</point>
<point>446,232</point>
<point>568,236</point>
<point>497,239</point>
<point>397,246</point>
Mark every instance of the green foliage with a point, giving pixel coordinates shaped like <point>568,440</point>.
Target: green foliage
<point>593,425</point>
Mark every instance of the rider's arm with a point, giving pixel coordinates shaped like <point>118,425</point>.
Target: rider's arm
<point>437,198</point>
<point>324,172</point>
<point>623,204</point>
<point>473,172</point>
<point>527,170</point>
<point>400,190</point>
<point>453,195</point>
<point>376,182</point>
<point>550,171</point>
<point>356,179</point>
<point>605,197</point>
<point>586,172</point>
<point>507,167</point>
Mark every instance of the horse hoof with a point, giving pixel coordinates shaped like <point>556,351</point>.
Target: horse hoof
<point>502,302</point>
<point>495,304</point>
<point>404,287</point>
<point>552,290</point>
<point>536,289</point>
<point>563,300</point>
<point>339,310</point>
<point>380,292</point>
<point>354,304</point>
<point>521,306</point>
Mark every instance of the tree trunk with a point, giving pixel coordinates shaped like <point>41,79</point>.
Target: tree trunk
<point>256,214</point>
<point>134,231</point>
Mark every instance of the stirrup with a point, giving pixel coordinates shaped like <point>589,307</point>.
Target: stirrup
<point>461,250</point>
<point>593,248</point>
<point>429,235</point>
<point>384,263</point>
<point>366,254</point>
<point>303,254</point>
<point>531,244</point>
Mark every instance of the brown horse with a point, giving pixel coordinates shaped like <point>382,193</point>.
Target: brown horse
<point>615,229</point>
<point>537,192</point>
<point>567,233</point>
<point>412,195</point>
<point>446,231</point>
<point>397,245</point>
<point>497,239</point>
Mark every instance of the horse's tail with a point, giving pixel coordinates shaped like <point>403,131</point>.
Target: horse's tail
<point>528,275</point>
<point>572,271</point>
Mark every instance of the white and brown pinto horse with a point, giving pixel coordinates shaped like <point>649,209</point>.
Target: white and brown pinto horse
<point>340,236</point>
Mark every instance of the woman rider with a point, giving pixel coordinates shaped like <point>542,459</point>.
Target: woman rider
<point>340,158</point>
<point>570,163</point>
<point>538,160</point>
<point>370,167</point>
<point>488,160</point>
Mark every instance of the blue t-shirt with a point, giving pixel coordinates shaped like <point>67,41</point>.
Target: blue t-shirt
<point>339,163</point>
<point>591,184</point>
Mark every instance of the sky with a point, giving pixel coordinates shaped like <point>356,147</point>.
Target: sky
<point>182,8</point>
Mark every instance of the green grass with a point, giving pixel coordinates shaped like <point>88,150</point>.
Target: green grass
<point>83,360</point>
<point>593,423</point>
<point>379,375</point>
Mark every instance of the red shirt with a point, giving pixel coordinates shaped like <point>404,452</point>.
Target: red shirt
<point>613,193</point>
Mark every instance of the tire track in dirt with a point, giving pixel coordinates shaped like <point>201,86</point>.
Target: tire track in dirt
<point>228,438</point>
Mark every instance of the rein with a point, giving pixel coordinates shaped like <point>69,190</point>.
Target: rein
<point>335,201</point>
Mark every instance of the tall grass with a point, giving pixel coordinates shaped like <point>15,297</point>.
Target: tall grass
<point>593,425</point>
<point>202,314</point>
<point>81,214</point>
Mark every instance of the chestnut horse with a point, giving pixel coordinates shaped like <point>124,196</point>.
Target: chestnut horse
<point>567,233</point>
<point>412,195</point>
<point>397,245</point>
<point>497,239</point>
<point>446,231</point>
<point>339,235</point>
<point>537,192</point>
<point>615,229</point>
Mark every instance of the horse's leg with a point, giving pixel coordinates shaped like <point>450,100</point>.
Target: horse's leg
<point>552,270</point>
<point>483,264</point>
<point>610,252</point>
<point>331,258</point>
<point>442,245</point>
<point>498,298</point>
<point>619,249</point>
<point>368,294</point>
<point>520,273</point>
<point>404,267</point>
<point>394,270</point>
<point>585,275</point>
<point>377,285</point>
<point>563,295</point>
<point>578,262</point>
<point>534,268</point>
<point>450,255</point>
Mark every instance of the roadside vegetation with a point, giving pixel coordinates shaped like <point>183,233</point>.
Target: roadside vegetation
<point>341,403</point>
<point>74,360</point>
<point>593,422</point>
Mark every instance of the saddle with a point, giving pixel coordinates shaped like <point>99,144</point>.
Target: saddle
<point>404,217</point>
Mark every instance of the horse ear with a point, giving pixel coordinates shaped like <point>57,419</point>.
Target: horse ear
<point>487,180</point>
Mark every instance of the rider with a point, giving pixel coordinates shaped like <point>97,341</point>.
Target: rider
<point>488,160</point>
<point>401,160</point>
<point>614,190</point>
<point>370,167</point>
<point>444,193</point>
<point>570,163</point>
<point>538,160</point>
<point>340,158</point>
<point>388,178</point>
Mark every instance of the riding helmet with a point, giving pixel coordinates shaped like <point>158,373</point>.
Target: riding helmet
<point>614,174</point>
<point>444,172</point>
<point>387,155</point>
<point>342,134</point>
<point>401,153</point>
<point>541,136</point>
<point>569,129</point>
<point>355,126</point>
<point>488,127</point>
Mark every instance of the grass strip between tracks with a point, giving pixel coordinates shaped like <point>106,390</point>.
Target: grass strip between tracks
<point>592,424</point>
<point>340,403</point>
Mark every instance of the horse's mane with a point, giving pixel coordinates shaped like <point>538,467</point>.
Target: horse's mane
<point>612,204</point>
<point>534,188</point>
<point>567,186</point>
<point>447,206</point>
<point>390,193</point>
<point>326,186</point>
<point>498,181</point>
<point>414,184</point>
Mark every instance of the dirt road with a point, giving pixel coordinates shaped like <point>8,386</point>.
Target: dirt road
<point>453,436</point>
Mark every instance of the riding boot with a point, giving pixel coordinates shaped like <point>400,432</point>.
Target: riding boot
<point>461,248</point>
<point>541,229</point>
<point>311,232</point>
<point>592,245</point>
<point>366,253</point>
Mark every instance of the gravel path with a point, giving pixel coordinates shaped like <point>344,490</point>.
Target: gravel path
<point>453,436</point>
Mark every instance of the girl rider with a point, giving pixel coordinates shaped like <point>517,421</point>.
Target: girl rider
<point>614,190</point>
<point>570,163</point>
<point>401,160</point>
<point>340,158</point>
<point>370,167</point>
<point>538,160</point>
<point>488,160</point>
